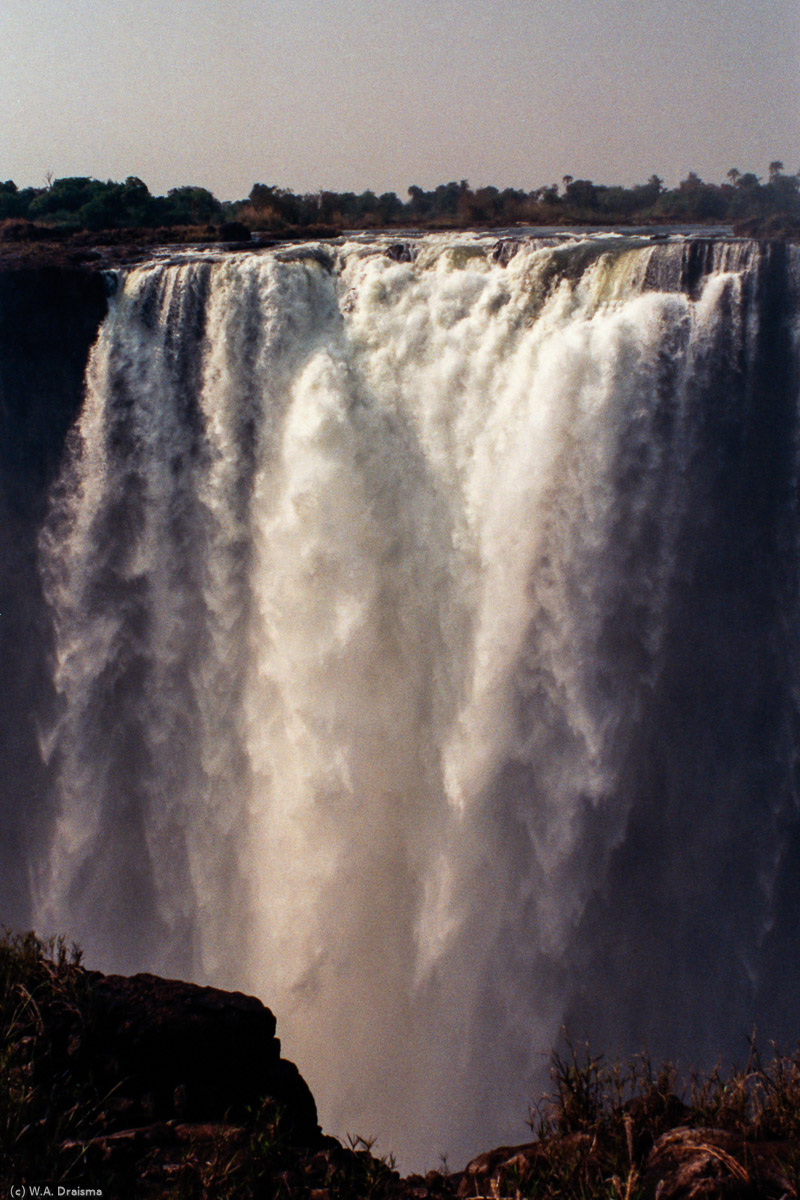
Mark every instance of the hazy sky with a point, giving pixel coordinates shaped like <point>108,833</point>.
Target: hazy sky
<point>351,94</point>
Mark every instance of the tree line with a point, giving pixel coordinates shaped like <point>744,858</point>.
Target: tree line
<point>82,203</point>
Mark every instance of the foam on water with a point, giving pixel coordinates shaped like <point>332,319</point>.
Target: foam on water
<point>370,582</point>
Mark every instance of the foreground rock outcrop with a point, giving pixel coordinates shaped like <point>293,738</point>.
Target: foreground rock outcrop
<point>682,1164</point>
<point>147,1087</point>
<point>121,1079</point>
<point>162,1049</point>
<point>159,1089</point>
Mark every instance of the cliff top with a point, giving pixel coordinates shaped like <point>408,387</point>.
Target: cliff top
<point>24,245</point>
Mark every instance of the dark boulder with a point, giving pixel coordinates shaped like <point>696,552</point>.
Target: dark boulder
<point>400,252</point>
<point>504,250</point>
<point>233,231</point>
<point>162,1049</point>
<point>709,1164</point>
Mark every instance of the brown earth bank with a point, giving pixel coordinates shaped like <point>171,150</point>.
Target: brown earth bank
<point>155,1088</point>
<point>26,244</point>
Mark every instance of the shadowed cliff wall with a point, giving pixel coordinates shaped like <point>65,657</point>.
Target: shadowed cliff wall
<point>48,321</point>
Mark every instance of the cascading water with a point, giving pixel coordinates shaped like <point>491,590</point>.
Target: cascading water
<point>426,657</point>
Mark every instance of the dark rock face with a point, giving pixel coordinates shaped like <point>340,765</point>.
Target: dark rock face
<point>49,319</point>
<point>167,1050</point>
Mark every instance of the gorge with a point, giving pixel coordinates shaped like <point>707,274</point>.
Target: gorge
<point>406,632</point>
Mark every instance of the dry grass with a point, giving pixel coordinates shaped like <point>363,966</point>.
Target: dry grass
<point>592,1133</point>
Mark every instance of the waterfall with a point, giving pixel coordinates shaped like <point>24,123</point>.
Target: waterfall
<point>425,657</point>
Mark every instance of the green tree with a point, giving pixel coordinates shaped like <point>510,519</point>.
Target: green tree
<point>421,202</point>
<point>12,203</point>
<point>65,196</point>
<point>390,207</point>
<point>581,193</point>
<point>192,206</point>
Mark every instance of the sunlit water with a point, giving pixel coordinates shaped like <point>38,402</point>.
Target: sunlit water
<point>426,650</point>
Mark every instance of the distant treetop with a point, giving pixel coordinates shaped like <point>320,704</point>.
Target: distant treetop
<point>81,202</point>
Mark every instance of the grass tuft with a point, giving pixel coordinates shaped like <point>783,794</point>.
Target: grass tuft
<point>594,1132</point>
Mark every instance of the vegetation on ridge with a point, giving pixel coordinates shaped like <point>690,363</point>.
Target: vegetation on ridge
<point>73,204</point>
<point>627,1132</point>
